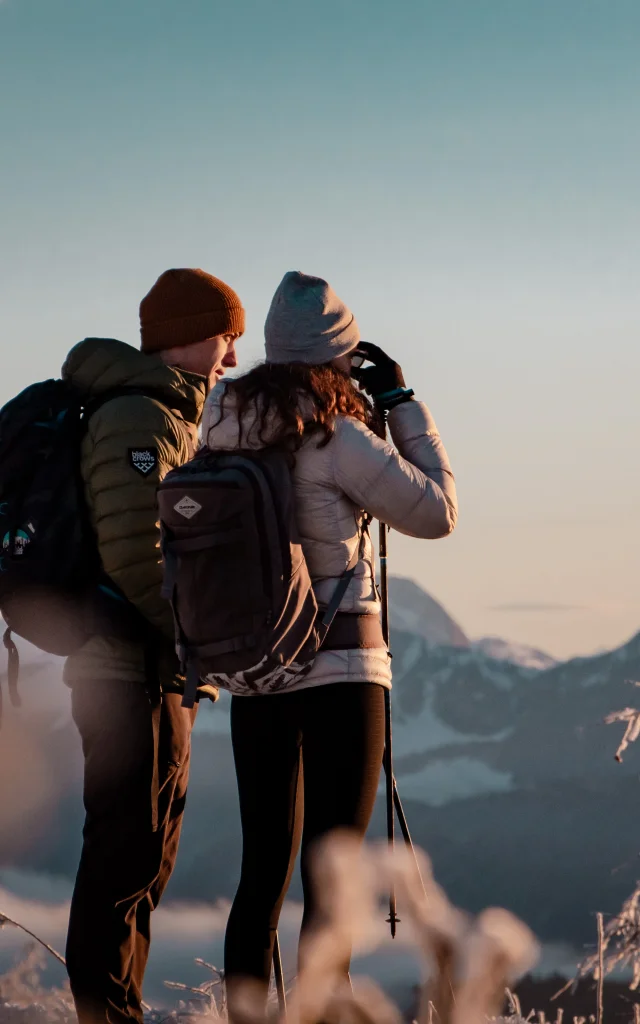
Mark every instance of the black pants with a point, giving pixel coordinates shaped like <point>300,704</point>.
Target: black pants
<point>131,836</point>
<point>307,762</point>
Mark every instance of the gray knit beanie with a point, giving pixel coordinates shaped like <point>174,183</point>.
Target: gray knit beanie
<point>308,323</point>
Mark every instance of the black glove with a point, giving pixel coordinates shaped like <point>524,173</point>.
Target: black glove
<point>383,379</point>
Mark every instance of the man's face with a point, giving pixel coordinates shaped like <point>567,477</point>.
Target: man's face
<point>210,358</point>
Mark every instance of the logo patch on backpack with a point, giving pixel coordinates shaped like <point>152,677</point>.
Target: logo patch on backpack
<point>187,507</point>
<point>20,541</point>
<point>143,460</point>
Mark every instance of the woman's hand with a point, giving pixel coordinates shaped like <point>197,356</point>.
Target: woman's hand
<point>383,377</point>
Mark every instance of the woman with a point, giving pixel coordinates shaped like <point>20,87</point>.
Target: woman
<point>308,760</point>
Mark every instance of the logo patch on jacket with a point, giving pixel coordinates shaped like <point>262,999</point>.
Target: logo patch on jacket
<point>187,507</point>
<point>143,460</point>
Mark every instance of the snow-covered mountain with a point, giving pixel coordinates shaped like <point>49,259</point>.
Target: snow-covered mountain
<point>412,610</point>
<point>518,654</point>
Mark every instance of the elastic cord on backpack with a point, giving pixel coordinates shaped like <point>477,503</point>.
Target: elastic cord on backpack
<point>13,667</point>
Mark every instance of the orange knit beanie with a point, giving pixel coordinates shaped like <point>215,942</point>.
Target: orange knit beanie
<point>187,306</point>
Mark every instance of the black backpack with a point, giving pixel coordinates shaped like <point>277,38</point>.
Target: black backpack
<point>53,591</point>
<point>246,615</point>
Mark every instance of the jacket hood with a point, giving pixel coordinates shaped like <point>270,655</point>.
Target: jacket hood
<point>96,365</point>
<point>220,427</point>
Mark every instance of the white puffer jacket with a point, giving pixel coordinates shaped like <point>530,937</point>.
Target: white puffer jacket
<point>411,488</point>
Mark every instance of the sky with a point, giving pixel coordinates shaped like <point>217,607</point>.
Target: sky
<point>464,172</point>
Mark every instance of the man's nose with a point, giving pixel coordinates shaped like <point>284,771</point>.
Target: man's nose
<point>231,358</point>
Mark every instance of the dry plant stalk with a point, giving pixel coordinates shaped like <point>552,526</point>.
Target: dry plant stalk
<point>618,946</point>
<point>207,999</point>
<point>468,962</point>
<point>600,968</point>
<point>632,731</point>
<point>45,945</point>
<point>632,717</point>
<point>619,941</point>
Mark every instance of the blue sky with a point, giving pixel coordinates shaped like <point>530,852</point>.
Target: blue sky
<point>465,174</point>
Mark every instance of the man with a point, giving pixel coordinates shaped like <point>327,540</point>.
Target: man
<point>126,688</point>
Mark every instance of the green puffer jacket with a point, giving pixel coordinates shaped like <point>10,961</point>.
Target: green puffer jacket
<point>131,444</point>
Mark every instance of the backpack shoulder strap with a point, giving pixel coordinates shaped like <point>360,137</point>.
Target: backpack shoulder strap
<point>344,581</point>
<point>92,404</point>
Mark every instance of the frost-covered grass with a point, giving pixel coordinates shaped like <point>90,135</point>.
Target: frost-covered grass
<point>468,962</point>
<point>25,1000</point>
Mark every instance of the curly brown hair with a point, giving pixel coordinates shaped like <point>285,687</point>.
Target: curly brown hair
<point>296,400</point>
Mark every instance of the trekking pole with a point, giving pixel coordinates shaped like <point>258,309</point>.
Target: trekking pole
<point>394,803</point>
<point>388,757</point>
<point>404,828</point>
<point>279,978</point>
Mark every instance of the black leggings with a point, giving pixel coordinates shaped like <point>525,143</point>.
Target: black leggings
<point>337,730</point>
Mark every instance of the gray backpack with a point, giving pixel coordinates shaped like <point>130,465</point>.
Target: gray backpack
<point>246,616</point>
